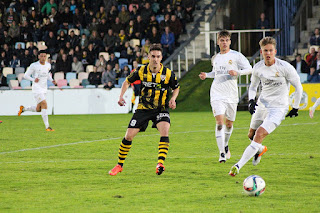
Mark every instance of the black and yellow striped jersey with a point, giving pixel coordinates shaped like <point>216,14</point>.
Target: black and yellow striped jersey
<point>155,87</point>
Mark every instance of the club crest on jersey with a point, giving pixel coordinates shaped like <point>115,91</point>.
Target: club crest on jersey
<point>230,62</point>
<point>277,74</point>
<point>163,77</point>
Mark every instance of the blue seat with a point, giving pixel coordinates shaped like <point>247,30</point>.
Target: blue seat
<point>123,62</point>
<point>90,86</point>
<point>25,83</point>
<point>303,77</point>
<point>117,54</point>
<point>49,83</point>
<point>120,82</point>
<point>23,45</point>
<point>85,82</point>
<point>11,77</point>
<point>71,75</point>
<point>18,70</point>
<point>130,66</point>
<point>160,18</point>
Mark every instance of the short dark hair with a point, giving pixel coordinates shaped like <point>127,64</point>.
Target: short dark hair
<point>224,33</point>
<point>155,47</point>
<point>42,51</point>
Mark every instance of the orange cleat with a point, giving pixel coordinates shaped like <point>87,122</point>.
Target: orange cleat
<point>49,129</point>
<point>21,110</point>
<point>159,169</point>
<point>115,170</point>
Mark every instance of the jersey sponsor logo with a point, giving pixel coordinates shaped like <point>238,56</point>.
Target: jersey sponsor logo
<point>163,115</point>
<point>163,77</point>
<point>150,84</point>
<point>272,83</point>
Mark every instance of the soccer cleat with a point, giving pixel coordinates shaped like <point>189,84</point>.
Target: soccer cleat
<point>21,110</point>
<point>228,154</point>
<point>311,112</point>
<point>234,170</point>
<point>115,170</point>
<point>222,158</point>
<point>49,129</point>
<point>256,159</point>
<point>159,169</point>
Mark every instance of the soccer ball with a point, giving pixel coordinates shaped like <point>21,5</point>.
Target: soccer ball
<point>254,185</point>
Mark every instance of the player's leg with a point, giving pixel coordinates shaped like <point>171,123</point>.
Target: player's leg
<point>220,137</point>
<point>163,128</point>
<point>313,108</point>
<point>28,108</point>
<point>43,106</point>
<point>228,132</point>
<point>124,149</point>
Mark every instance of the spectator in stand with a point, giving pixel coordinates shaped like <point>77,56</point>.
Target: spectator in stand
<point>146,47</point>
<point>175,27</point>
<point>84,59</point>
<point>124,72</point>
<point>109,41</point>
<point>109,4</point>
<point>316,62</point>
<point>108,77</point>
<point>95,40</point>
<point>122,38</point>
<point>130,30</point>
<point>300,64</point>
<point>65,19</point>
<point>15,61</point>
<point>165,22</point>
<point>73,39</point>
<point>73,6</point>
<point>101,14</point>
<point>146,12</point>
<point>63,4</point>
<point>51,43</point>
<point>6,38</point>
<point>37,32</point>
<point>4,60</point>
<point>139,27</point>
<point>3,80</point>
<point>116,26</point>
<point>53,65</point>
<point>315,38</point>
<point>154,36</point>
<point>310,57</point>
<point>101,64</point>
<point>25,32</point>
<point>64,65</point>
<point>46,28</point>
<point>138,57</point>
<point>46,9</point>
<point>84,41</point>
<point>113,60</point>
<point>263,22</point>
<point>76,65</point>
<point>62,38</point>
<point>77,52</point>
<point>33,17</point>
<point>94,77</point>
<point>53,16</point>
<point>78,19</point>
<point>152,23</point>
<point>14,32</point>
<point>26,60</point>
<point>190,6</point>
<point>10,17</point>
<point>124,15</point>
<point>19,51</point>
<point>34,55</point>
<point>92,54</point>
<point>31,47</point>
<point>181,15</point>
<point>93,25</point>
<point>103,28</point>
<point>314,76</point>
<point>155,7</point>
<point>113,13</point>
<point>167,41</point>
<point>134,13</point>
<point>118,71</point>
<point>168,10</point>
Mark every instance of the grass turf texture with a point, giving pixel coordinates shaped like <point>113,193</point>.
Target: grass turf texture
<point>66,170</point>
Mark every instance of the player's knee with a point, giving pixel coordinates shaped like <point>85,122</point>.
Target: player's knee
<point>251,134</point>
<point>219,127</point>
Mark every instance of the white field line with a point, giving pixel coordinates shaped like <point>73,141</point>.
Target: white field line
<point>118,138</point>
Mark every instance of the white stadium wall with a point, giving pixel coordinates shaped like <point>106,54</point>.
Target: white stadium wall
<point>67,101</point>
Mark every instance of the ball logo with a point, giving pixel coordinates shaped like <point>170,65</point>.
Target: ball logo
<point>303,101</point>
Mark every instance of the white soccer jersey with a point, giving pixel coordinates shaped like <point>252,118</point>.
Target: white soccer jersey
<point>37,70</point>
<point>275,82</point>
<point>224,86</point>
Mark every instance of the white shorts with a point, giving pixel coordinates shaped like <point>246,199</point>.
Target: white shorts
<point>268,118</point>
<point>39,97</point>
<point>223,108</point>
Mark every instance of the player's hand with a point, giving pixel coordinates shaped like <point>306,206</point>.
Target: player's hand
<point>252,106</point>
<point>293,113</point>
<point>54,82</point>
<point>172,104</point>
<point>36,80</point>
<point>202,75</point>
<point>121,102</point>
<point>233,72</point>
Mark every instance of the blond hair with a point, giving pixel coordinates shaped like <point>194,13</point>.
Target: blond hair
<point>267,40</point>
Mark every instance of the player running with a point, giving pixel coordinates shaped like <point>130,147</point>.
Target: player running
<point>314,107</point>
<point>38,73</point>
<point>226,67</point>
<point>275,76</point>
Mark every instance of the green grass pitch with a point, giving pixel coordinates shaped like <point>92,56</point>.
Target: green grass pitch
<point>67,170</point>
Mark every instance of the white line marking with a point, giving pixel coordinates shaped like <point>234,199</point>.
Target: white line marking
<point>118,138</point>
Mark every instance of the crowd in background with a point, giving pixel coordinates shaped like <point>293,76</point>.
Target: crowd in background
<point>76,31</point>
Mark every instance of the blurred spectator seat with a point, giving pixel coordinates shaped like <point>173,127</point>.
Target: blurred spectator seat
<point>130,67</point>
<point>143,41</point>
<point>50,84</point>
<point>117,54</point>
<point>120,6</point>
<point>123,62</point>
<point>19,70</point>
<point>90,86</point>
<point>85,82</point>
<point>85,31</point>
<point>14,84</point>
<point>303,77</point>
<point>23,45</point>
<point>11,77</point>
<point>75,83</point>
<point>82,75</point>
<point>7,70</point>
<point>25,84</point>
<point>131,6</point>
<point>28,44</point>
<point>20,76</point>
<point>71,75</point>
<point>160,18</point>
<point>134,42</point>
<point>120,82</point>
<point>75,30</point>
<point>62,82</point>
<point>89,68</point>
<point>105,55</point>
<point>41,45</point>
<point>58,76</point>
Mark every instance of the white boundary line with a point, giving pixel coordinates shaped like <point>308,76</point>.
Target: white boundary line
<point>118,138</point>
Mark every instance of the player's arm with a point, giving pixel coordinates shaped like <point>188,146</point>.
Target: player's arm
<point>294,80</point>
<point>125,85</point>
<point>28,74</point>
<point>244,65</point>
<point>174,84</point>
<point>204,75</point>
<point>252,93</point>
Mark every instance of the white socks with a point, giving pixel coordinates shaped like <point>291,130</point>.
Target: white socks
<point>45,119</point>
<point>30,108</point>
<point>248,153</point>
<point>220,137</point>
<point>227,132</point>
<point>316,104</point>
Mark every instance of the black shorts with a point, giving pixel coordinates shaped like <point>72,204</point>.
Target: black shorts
<point>141,118</point>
